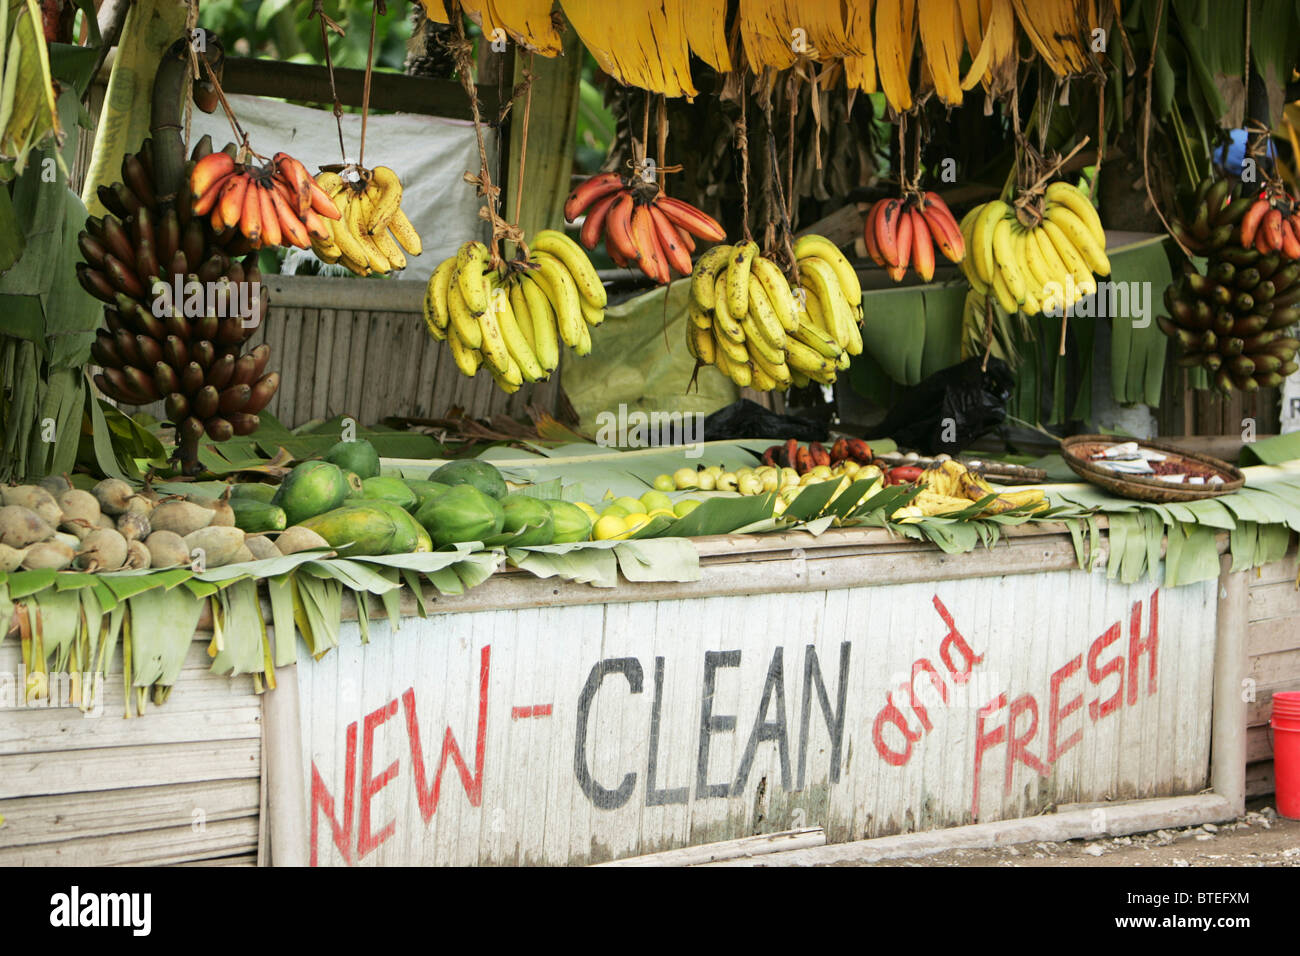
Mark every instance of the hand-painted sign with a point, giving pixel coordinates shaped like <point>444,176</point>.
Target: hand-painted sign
<point>583,733</point>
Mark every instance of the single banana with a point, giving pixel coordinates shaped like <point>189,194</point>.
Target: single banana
<point>990,214</point>
<point>735,351</point>
<point>764,315</point>
<point>390,249</point>
<point>778,292</point>
<point>387,198</point>
<point>574,258</point>
<point>462,320</point>
<point>563,293</point>
<point>824,249</point>
<point>439,286</point>
<point>405,233</point>
<point>467,359</point>
<point>816,338</point>
<point>724,323</point>
<point>523,318</point>
<point>803,359</point>
<point>1004,254</point>
<point>546,344</point>
<point>471,261</point>
<point>705,274</point>
<point>737,276</point>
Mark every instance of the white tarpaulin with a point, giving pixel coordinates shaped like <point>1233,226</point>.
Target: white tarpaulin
<point>430,155</point>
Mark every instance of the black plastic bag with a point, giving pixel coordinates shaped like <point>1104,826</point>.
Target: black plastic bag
<point>951,409</point>
<point>746,419</point>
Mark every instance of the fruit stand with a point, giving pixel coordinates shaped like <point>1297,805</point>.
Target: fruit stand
<point>342,568</point>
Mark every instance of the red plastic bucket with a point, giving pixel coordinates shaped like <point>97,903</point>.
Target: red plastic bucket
<point>1286,752</point>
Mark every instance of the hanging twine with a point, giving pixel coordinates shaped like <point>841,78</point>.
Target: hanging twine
<point>462,51</point>
<point>318,10</point>
<point>742,143</point>
<point>240,136</point>
<point>365,91</point>
<point>526,90</point>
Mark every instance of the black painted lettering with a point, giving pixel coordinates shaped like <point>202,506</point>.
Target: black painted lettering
<point>834,718</point>
<point>602,797</point>
<point>765,729</point>
<point>711,723</point>
<point>655,796</point>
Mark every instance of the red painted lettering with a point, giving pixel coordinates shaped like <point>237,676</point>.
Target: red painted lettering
<point>1137,646</point>
<point>984,741</point>
<point>1056,713</point>
<point>954,639</point>
<point>322,799</point>
<point>921,713</point>
<point>371,785</point>
<point>1099,708</point>
<point>1018,747</point>
<point>890,714</point>
<point>428,796</point>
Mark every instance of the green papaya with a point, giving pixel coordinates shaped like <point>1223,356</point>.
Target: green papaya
<point>253,491</point>
<point>525,512</point>
<point>461,513</point>
<point>424,490</point>
<point>359,456</point>
<point>571,522</point>
<point>389,489</point>
<point>411,535</point>
<point>312,488</point>
<point>254,517</point>
<point>369,527</point>
<point>471,471</point>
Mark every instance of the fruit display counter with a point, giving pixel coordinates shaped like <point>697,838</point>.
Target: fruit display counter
<point>600,699</point>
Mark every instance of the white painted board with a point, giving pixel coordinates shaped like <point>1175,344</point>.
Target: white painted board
<point>580,734</point>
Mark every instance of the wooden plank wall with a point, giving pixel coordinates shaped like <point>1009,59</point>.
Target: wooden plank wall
<point>360,347</point>
<point>1273,643</point>
<point>184,780</point>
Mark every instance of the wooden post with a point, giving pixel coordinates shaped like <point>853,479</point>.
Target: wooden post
<point>1228,734</point>
<point>286,795</point>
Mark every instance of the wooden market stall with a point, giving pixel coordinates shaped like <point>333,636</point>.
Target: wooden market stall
<point>847,685</point>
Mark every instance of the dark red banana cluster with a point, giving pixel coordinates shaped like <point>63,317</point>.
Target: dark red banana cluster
<point>158,267</point>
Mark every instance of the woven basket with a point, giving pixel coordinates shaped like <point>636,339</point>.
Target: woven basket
<point>1141,488</point>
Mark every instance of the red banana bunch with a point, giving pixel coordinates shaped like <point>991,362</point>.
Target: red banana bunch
<point>906,231</point>
<point>1272,224</point>
<point>271,205</point>
<point>641,224</point>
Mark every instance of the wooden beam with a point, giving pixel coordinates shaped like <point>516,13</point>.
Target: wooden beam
<point>388,91</point>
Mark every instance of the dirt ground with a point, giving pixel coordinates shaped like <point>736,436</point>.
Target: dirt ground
<point>1260,838</point>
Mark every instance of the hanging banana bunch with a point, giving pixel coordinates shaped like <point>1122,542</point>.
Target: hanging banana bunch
<point>179,300</point>
<point>372,230</point>
<point>512,320</point>
<point>745,319</point>
<point>1040,258</point>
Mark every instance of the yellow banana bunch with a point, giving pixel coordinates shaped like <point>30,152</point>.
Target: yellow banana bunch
<point>27,110</point>
<point>366,238</point>
<point>1043,267</point>
<point>742,318</point>
<point>513,321</point>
